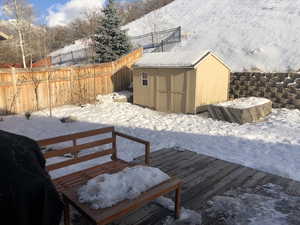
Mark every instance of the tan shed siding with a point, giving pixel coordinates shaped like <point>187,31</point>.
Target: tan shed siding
<point>175,90</point>
<point>162,90</point>
<point>181,90</point>
<point>191,91</point>
<point>144,95</point>
<point>212,81</point>
<point>169,90</point>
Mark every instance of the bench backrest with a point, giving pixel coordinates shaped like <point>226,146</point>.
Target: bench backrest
<point>75,148</point>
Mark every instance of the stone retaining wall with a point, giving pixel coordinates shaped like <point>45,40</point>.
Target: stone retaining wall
<point>283,89</point>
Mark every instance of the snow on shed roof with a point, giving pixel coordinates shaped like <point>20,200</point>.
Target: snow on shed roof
<point>171,59</point>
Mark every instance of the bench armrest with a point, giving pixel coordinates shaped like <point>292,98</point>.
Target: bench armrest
<point>138,140</point>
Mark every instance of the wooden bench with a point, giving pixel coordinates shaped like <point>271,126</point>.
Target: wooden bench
<point>68,185</point>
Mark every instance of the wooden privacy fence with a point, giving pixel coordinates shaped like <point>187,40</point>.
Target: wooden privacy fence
<point>22,90</point>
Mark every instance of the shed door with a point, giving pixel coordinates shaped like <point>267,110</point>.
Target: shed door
<point>170,93</point>
<point>163,93</point>
<point>178,93</point>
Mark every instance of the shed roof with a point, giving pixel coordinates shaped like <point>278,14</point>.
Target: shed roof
<point>171,59</point>
<point>3,36</point>
<point>182,59</point>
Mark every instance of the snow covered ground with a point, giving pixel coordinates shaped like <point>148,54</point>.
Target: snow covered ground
<point>247,35</point>
<point>115,96</point>
<point>272,145</point>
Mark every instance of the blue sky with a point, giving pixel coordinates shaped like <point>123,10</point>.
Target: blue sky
<point>61,12</point>
<point>43,5</point>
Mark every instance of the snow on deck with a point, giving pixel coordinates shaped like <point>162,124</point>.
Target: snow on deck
<point>267,204</point>
<point>272,146</point>
<point>244,103</point>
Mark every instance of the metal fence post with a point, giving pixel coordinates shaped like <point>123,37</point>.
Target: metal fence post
<point>179,33</point>
<point>152,38</point>
<point>72,56</point>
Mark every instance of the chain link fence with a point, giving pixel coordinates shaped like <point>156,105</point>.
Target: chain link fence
<point>158,41</point>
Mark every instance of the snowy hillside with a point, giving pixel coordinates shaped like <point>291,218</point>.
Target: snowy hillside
<point>73,53</point>
<point>248,34</point>
<point>77,45</point>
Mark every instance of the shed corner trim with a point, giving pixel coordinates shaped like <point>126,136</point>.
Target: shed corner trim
<point>221,61</point>
<point>216,57</point>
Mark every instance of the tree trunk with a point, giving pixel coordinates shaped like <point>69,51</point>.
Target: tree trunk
<point>20,34</point>
<point>22,47</point>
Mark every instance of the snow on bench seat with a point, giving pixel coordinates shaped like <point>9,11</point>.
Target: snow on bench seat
<point>107,190</point>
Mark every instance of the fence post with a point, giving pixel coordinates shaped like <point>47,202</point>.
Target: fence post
<point>179,33</point>
<point>95,95</point>
<point>49,92</point>
<point>152,37</point>
<point>75,86</point>
<point>15,90</point>
<point>86,55</point>
<point>113,78</point>
<point>72,56</point>
<point>70,85</point>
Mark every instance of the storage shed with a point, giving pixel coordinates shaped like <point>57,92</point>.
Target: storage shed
<point>180,82</point>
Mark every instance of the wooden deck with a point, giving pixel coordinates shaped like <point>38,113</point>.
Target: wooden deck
<point>204,177</point>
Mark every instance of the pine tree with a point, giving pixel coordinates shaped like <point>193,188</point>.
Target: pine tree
<point>110,41</point>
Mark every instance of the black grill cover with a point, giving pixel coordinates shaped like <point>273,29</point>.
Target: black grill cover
<point>27,195</point>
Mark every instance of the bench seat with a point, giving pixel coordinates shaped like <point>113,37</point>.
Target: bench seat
<point>68,185</point>
<point>82,176</point>
<point>107,215</point>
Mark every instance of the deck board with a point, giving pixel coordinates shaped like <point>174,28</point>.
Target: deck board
<point>203,178</point>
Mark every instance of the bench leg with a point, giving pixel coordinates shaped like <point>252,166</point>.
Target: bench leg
<point>177,201</point>
<point>66,212</point>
